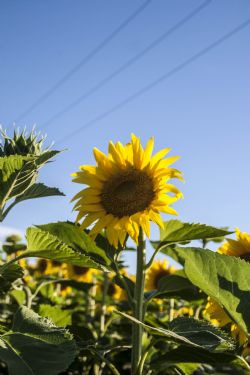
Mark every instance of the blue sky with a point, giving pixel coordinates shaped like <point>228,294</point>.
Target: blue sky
<point>202,112</point>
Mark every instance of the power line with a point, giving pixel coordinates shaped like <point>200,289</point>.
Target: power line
<point>85,60</point>
<point>127,64</point>
<point>159,80</point>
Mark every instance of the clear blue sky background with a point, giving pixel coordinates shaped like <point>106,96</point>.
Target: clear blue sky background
<point>202,112</point>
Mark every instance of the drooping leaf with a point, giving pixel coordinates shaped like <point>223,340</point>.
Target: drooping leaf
<point>43,244</point>
<point>190,332</point>
<point>35,346</point>
<point>70,234</point>
<point>59,317</point>
<point>177,232</point>
<point>225,278</point>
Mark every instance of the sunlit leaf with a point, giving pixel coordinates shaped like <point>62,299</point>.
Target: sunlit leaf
<point>175,231</point>
<point>225,278</point>
<point>59,317</point>
<point>78,250</point>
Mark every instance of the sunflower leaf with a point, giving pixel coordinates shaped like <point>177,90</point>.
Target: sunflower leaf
<point>190,332</point>
<point>176,285</point>
<point>8,274</point>
<point>18,172</point>
<point>70,234</point>
<point>42,243</point>
<point>10,164</point>
<point>38,190</point>
<point>59,317</point>
<point>175,231</point>
<point>36,346</point>
<point>224,278</point>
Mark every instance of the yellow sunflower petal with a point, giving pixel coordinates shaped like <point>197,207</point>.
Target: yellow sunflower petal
<point>126,190</point>
<point>147,152</point>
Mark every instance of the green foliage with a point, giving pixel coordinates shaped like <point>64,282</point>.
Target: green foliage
<point>20,160</point>
<point>36,346</point>
<point>190,332</point>
<point>38,190</point>
<point>71,235</point>
<point>8,274</point>
<point>86,301</point>
<point>176,231</point>
<point>11,164</point>
<point>59,317</point>
<point>176,285</point>
<point>64,242</point>
<point>19,296</point>
<point>225,278</point>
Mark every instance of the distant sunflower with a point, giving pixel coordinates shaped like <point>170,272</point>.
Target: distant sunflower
<point>184,311</point>
<point>156,272</point>
<point>127,189</point>
<point>220,318</point>
<point>114,291</point>
<point>65,290</point>
<point>49,267</point>
<point>81,274</point>
<point>238,248</point>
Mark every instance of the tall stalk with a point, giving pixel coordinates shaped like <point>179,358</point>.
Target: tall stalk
<point>138,310</point>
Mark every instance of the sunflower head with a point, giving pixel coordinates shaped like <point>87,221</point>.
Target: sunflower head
<point>220,318</point>
<point>239,247</point>
<point>216,313</point>
<point>65,290</point>
<point>126,190</point>
<point>156,272</point>
<point>81,274</point>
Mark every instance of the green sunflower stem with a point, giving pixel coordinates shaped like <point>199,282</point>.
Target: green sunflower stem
<point>137,330</point>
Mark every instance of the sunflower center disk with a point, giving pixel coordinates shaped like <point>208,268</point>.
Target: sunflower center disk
<point>127,193</point>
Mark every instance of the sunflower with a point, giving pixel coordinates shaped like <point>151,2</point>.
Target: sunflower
<point>220,318</point>
<point>114,291</point>
<point>49,267</point>
<point>156,272</point>
<point>238,248</point>
<point>184,311</point>
<point>65,290</point>
<point>126,190</point>
<point>81,274</point>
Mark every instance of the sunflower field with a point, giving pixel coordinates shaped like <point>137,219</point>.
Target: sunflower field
<point>69,303</point>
